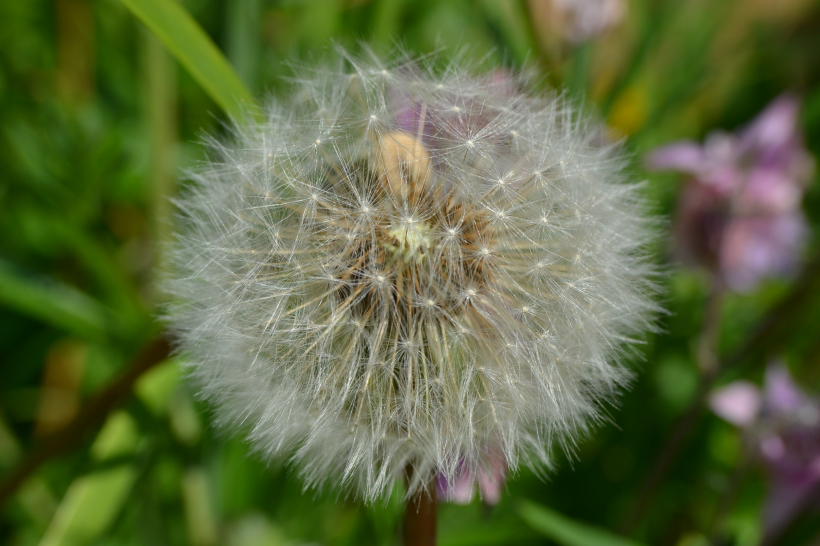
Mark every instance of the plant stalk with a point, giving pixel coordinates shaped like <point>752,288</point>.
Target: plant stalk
<point>88,419</point>
<point>420,518</point>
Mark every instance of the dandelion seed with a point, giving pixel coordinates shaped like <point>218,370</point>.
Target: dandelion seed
<point>414,336</point>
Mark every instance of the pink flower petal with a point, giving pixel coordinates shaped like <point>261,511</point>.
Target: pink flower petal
<point>771,191</point>
<point>772,447</point>
<point>757,247</point>
<point>684,156</point>
<point>738,403</point>
<point>776,125</point>
<point>780,392</point>
<point>491,481</point>
<point>460,489</point>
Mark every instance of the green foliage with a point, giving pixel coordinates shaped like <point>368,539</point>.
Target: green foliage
<point>93,501</point>
<point>196,52</point>
<point>567,532</point>
<point>55,303</point>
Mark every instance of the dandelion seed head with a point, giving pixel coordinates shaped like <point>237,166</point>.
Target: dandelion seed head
<point>362,307</point>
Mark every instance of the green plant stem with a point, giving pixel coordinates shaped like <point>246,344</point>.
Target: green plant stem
<point>161,115</point>
<point>732,491</point>
<point>709,365</point>
<point>92,414</point>
<point>761,338</point>
<point>805,511</point>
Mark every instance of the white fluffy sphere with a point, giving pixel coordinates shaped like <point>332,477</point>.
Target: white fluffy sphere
<point>409,269</point>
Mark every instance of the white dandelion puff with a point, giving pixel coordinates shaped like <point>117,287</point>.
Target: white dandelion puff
<point>408,269</point>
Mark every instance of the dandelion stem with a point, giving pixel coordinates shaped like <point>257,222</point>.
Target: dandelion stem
<point>420,518</point>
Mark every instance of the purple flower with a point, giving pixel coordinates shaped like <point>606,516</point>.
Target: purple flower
<point>740,212</point>
<point>577,20</point>
<point>490,478</point>
<point>785,425</point>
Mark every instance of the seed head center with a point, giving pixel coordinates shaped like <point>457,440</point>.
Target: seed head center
<point>410,239</point>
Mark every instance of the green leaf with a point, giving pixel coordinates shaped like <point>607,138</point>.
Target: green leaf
<point>54,303</point>
<point>120,293</point>
<point>566,531</point>
<point>195,50</point>
<point>510,18</point>
<point>487,535</point>
<point>198,501</point>
<point>94,500</point>
<point>156,387</point>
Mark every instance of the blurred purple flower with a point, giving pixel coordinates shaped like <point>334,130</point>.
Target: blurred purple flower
<point>740,212</point>
<point>577,20</point>
<point>490,481</point>
<point>589,18</point>
<point>738,403</point>
<point>785,425</point>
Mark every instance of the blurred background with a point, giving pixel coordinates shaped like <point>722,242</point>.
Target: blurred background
<point>718,440</point>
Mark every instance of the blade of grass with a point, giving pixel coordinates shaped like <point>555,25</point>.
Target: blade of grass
<point>54,303</point>
<point>510,19</point>
<point>195,50</point>
<point>161,87</point>
<point>244,38</point>
<point>566,531</point>
<point>118,291</point>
